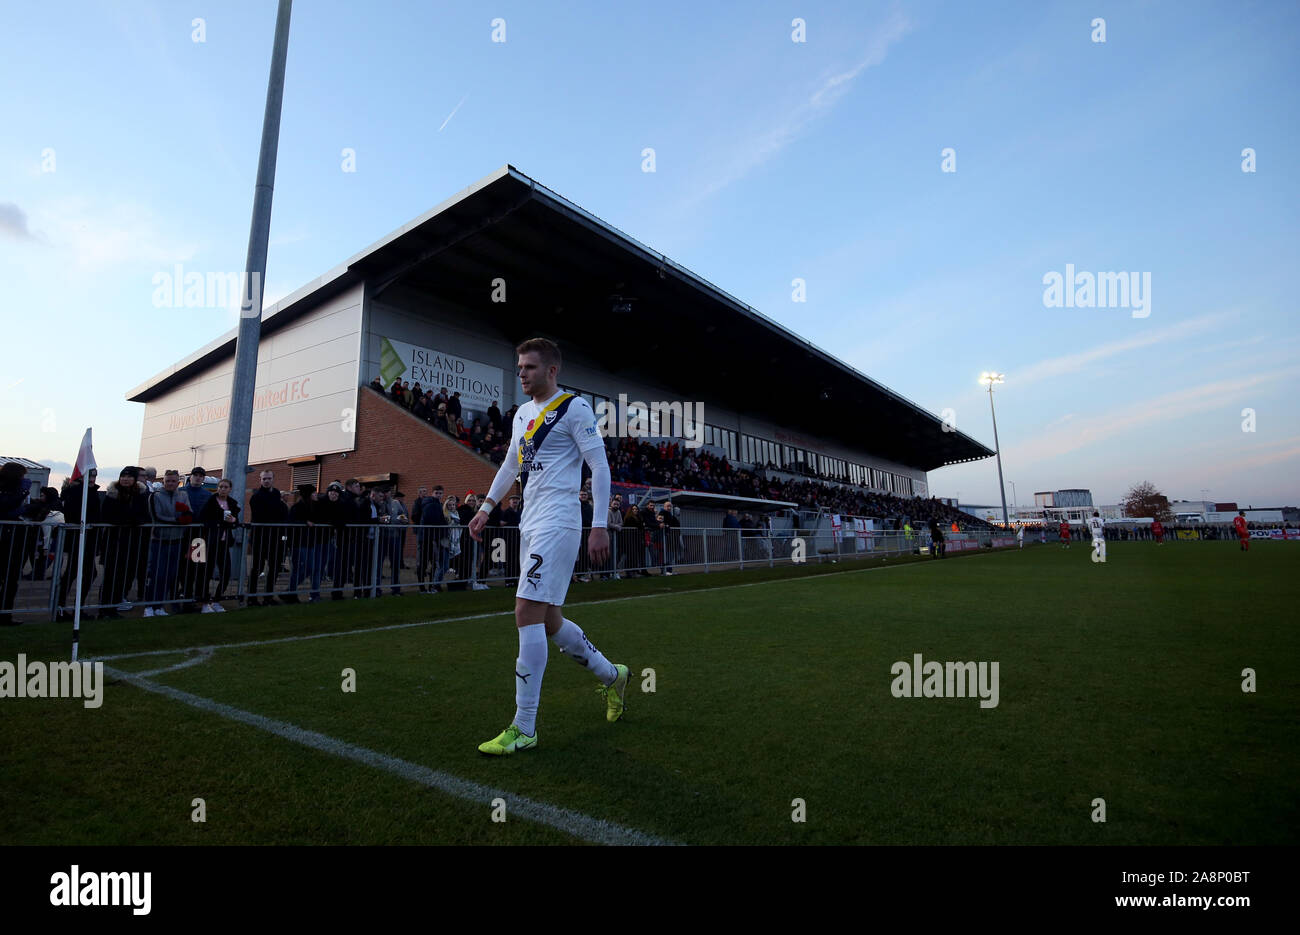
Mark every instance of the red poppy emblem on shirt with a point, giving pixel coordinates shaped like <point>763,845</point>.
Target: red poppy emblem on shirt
<point>530,425</point>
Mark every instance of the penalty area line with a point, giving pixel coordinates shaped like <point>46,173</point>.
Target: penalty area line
<point>584,827</point>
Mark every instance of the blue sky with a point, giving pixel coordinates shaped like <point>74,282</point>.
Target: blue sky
<point>774,159</point>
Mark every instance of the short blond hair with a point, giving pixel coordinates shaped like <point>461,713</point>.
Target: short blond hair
<point>546,349</point>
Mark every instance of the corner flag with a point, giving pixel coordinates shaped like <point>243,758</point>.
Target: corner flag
<point>85,458</point>
<point>85,463</point>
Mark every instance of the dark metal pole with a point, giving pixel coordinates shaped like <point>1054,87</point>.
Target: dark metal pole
<point>240,425</point>
<point>1002,488</point>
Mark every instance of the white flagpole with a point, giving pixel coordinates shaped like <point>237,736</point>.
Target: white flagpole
<point>81,559</point>
<point>85,461</point>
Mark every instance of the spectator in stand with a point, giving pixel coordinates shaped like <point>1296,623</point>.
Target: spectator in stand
<point>653,538</point>
<point>369,558</point>
<point>305,544</point>
<point>377,384</point>
<point>267,515</point>
<point>423,543</point>
<point>453,405</point>
<point>220,519</point>
<point>124,508</point>
<point>14,536</point>
<point>388,517</point>
<point>420,408</point>
<point>466,513</point>
<point>476,435</point>
<point>510,517</point>
<point>493,531</point>
<point>403,519</point>
<point>149,477</point>
<point>587,512</point>
<point>467,509</point>
<point>747,532</point>
<point>632,547</point>
<point>416,393</point>
<point>72,512</point>
<point>494,417</point>
<point>356,508</point>
<point>432,516</point>
<point>331,517</point>
<point>407,396</point>
<point>171,514</point>
<point>189,585</point>
<point>417,509</point>
<point>395,391</point>
<point>614,522</point>
<point>47,512</point>
<point>440,417</point>
<point>440,398</point>
<point>448,539</point>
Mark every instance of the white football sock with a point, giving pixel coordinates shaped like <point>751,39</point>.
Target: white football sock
<point>529,668</point>
<point>571,640</point>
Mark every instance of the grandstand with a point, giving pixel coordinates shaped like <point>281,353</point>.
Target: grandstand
<point>443,300</point>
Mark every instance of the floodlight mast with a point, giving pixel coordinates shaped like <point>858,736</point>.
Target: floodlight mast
<point>240,425</point>
<point>988,378</point>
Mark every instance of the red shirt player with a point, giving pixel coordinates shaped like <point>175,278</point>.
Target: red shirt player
<point>1159,532</point>
<point>1064,530</point>
<point>1243,534</point>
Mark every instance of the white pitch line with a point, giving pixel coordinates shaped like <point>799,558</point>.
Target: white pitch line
<point>201,656</point>
<point>500,613</point>
<point>577,824</point>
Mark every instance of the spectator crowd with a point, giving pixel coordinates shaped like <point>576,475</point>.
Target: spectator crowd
<point>675,466</point>
<point>168,542</point>
<point>488,434</point>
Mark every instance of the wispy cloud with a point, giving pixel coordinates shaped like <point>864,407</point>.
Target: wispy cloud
<point>453,112</point>
<point>1265,458</point>
<point>1093,430</point>
<point>1075,363</point>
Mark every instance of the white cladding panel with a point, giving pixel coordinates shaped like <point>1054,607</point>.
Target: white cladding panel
<point>306,387</point>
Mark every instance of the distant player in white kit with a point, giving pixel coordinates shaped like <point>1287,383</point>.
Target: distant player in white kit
<point>553,433</point>
<point>1020,535</point>
<point>1098,530</point>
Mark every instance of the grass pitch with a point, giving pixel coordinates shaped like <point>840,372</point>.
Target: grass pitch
<point>1120,681</point>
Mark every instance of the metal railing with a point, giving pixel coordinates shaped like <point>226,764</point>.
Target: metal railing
<point>186,568</point>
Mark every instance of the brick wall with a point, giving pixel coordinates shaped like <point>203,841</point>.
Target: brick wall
<point>390,439</point>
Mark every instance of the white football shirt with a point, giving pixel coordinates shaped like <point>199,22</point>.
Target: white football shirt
<point>548,445</point>
<point>1095,526</point>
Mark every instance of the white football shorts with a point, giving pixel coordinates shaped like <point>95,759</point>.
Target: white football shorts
<point>546,560</point>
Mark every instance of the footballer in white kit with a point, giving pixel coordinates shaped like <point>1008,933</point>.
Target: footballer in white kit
<point>1098,530</point>
<point>553,434</point>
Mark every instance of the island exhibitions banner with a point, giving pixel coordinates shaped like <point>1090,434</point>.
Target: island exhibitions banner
<point>478,384</point>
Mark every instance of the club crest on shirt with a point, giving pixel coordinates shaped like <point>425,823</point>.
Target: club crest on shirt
<point>549,417</point>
